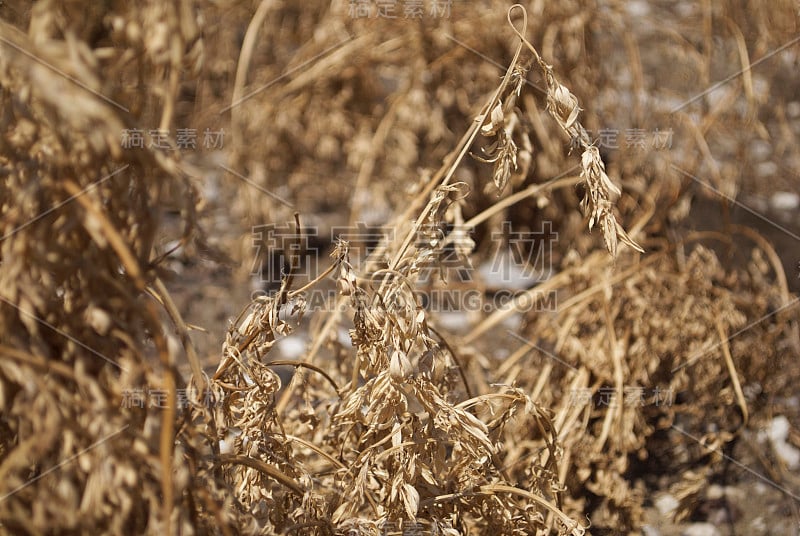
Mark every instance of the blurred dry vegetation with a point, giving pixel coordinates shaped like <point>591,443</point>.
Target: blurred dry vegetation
<point>401,423</point>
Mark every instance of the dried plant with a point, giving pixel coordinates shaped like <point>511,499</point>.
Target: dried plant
<point>389,423</point>
<point>402,445</point>
<point>79,330</point>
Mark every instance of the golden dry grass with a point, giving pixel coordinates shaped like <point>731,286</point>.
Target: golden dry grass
<point>658,336</point>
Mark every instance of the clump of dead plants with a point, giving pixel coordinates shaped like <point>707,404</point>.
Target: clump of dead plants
<point>399,443</point>
<point>84,340</point>
<point>389,424</point>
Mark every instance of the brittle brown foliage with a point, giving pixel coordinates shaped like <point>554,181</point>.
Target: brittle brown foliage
<point>399,425</point>
<point>79,322</point>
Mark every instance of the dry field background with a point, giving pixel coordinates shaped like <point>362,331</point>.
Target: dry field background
<point>302,268</point>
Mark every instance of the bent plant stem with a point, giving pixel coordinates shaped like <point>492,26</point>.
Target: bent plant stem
<point>737,387</point>
<point>162,295</point>
<point>462,150</point>
<point>265,468</point>
<point>302,364</point>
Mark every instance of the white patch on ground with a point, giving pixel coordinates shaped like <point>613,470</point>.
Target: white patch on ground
<point>291,347</point>
<point>784,201</point>
<point>700,529</point>
<point>503,271</point>
<point>759,150</point>
<point>453,321</point>
<point>793,109</point>
<point>778,432</point>
<point>226,445</point>
<point>637,8</point>
<point>766,169</point>
<point>758,525</point>
<point>343,336</point>
<point>650,530</point>
<point>666,504</point>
